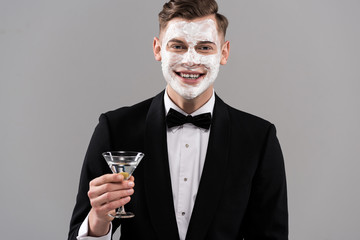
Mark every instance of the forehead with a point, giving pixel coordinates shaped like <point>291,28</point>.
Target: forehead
<point>203,29</point>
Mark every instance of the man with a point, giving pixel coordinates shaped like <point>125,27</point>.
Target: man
<point>222,178</point>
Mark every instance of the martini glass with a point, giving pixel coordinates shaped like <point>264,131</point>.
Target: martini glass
<point>124,163</point>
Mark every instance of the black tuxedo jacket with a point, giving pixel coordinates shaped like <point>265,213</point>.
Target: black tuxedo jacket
<point>242,191</point>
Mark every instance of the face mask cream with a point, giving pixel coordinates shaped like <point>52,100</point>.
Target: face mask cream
<point>191,56</point>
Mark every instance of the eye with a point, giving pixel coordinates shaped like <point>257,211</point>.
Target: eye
<point>177,47</point>
<point>205,48</point>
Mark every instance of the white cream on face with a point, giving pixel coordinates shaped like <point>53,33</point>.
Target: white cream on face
<point>192,33</point>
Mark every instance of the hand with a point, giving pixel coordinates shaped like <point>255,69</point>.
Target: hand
<point>107,193</point>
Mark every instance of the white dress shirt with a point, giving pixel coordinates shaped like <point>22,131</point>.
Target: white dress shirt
<point>187,146</point>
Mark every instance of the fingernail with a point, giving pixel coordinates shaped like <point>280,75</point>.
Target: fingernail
<point>131,184</point>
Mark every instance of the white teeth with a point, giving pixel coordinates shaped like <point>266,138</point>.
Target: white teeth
<point>192,76</point>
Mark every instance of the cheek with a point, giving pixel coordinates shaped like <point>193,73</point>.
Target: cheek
<point>171,59</point>
<point>211,61</point>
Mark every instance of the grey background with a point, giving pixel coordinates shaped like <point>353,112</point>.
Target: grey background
<point>62,63</point>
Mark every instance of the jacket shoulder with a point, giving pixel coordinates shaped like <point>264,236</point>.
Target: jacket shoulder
<point>248,118</point>
<point>136,111</point>
<point>241,119</point>
<point>253,128</point>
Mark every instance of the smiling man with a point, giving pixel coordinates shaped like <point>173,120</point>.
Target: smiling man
<point>209,172</point>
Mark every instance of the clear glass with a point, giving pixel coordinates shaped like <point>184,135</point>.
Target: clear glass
<point>125,163</point>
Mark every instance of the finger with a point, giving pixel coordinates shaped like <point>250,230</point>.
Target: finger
<point>107,178</point>
<point>110,197</point>
<point>108,207</point>
<point>96,191</point>
<point>116,186</point>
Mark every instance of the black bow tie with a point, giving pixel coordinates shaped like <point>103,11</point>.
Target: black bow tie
<point>174,118</point>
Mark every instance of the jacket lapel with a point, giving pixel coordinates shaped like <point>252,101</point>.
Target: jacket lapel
<point>157,175</point>
<point>215,164</point>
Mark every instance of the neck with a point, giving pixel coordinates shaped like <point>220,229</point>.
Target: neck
<point>190,105</point>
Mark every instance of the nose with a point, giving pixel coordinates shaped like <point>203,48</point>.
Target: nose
<point>191,58</point>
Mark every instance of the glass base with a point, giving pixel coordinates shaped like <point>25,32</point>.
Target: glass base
<point>122,215</point>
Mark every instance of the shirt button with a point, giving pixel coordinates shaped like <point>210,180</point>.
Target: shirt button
<point>185,179</point>
<point>186,145</point>
<point>183,213</point>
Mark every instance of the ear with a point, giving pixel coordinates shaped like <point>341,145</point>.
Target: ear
<point>157,49</point>
<point>225,53</point>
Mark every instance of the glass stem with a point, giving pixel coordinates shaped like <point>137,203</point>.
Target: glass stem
<point>121,210</point>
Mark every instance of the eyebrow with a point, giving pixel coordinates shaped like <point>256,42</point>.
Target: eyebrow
<point>175,40</point>
<point>206,42</point>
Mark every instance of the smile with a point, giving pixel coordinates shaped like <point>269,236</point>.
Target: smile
<point>190,76</point>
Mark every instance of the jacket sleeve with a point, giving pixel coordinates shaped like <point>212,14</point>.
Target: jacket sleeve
<point>94,166</point>
<point>267,213</point>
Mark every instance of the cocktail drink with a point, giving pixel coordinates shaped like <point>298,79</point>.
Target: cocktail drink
<point>124,163</point>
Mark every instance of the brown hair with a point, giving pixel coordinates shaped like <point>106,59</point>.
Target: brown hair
<point>191,9</point>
